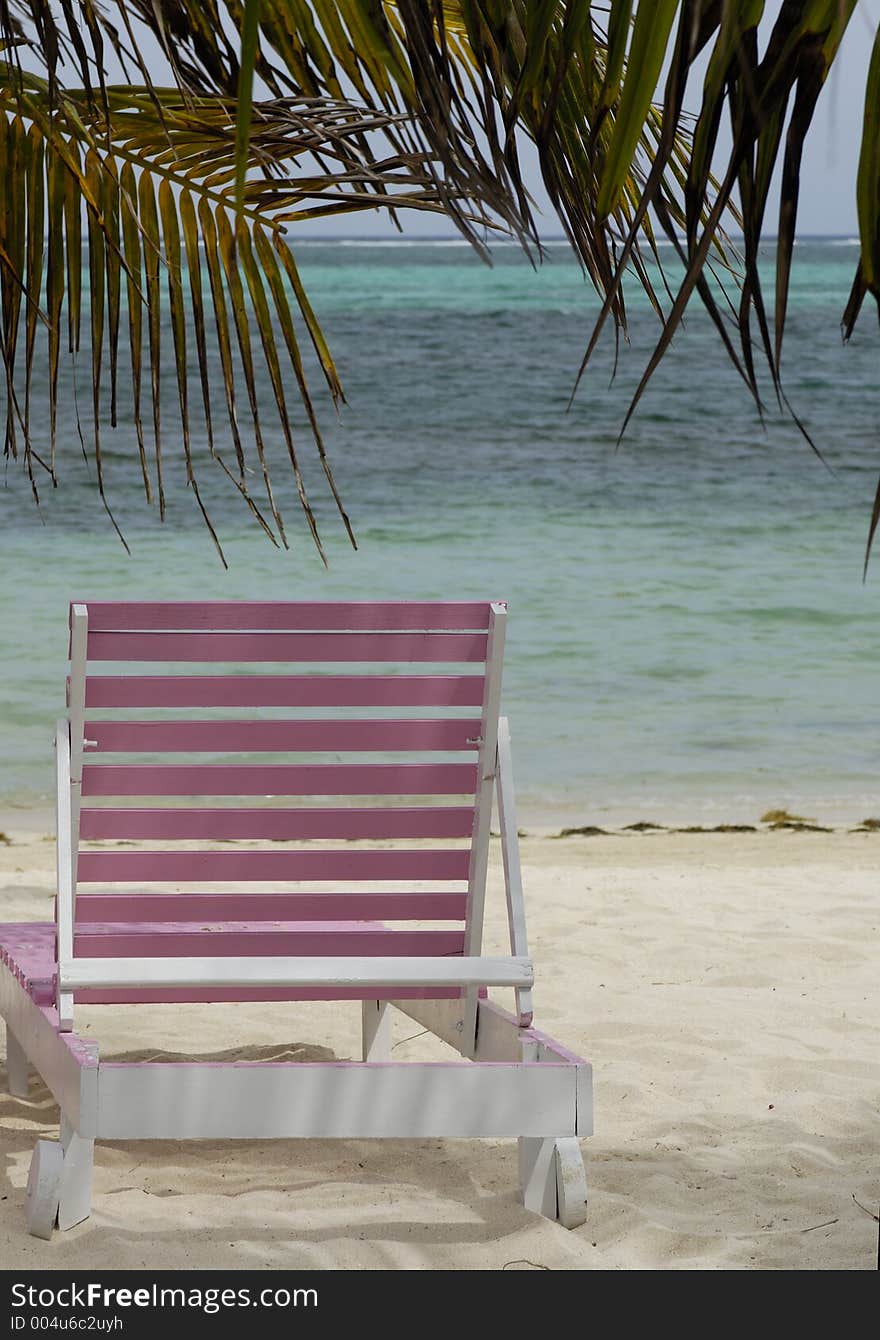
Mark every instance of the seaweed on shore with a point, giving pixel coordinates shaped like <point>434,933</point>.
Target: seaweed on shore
<point>643,826</point>
<point>588,830</point>
<point>800,826</point>
<point>718,828</point>
<point>774,817</point>
<point>794,823</point>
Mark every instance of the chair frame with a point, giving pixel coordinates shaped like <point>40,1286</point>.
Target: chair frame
<point>511,1081</point>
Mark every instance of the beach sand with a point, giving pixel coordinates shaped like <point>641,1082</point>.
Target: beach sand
<point>725,987</point>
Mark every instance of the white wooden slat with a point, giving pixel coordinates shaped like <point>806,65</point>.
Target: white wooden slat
<point>65,866</point>
<point>348,1101</point>
<point>79,636</point>
<point>516,911</point>
<point>79,641</point>
<point>105,973</point>
<point>486,763</point>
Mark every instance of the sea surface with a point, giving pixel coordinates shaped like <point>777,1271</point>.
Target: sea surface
<point>690,636</point>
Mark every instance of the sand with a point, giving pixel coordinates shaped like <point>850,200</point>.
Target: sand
<point>725,987</point>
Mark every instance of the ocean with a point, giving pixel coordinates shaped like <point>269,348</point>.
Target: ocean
<point>690,636</point>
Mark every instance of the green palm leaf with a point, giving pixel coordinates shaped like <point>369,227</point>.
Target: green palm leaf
<point>275,111</point>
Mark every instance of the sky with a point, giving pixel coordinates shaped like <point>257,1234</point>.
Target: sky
<point>831,155</point>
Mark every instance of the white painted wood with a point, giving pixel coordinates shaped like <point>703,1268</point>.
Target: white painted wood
<point>69,765</point>
<point>571,1184</point>
<point>499,1035</point>
<point>17,1069</point>
<point>486,762</point>
<point>86,1123</point>
<point>529,1049</point>
<point>553,1180</point>
<point>443,1018</point>
<point>305,972</point>
<point>64,863</point>
<point>584,1099</point>
<point>68,1065</point>
<point>64,1005</point>
<point>79,635</point>
<point>376,1030</point>
<point>537,1176</point>
<point>513,887</point>
<point>75,1189</point>
<point>348,1101</point>
<point>44,1180</point>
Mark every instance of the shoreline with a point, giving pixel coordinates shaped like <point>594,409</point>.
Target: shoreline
<point>29,820</point>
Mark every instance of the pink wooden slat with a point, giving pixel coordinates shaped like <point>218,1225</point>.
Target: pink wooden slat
<point>306,779</point>
<point>212,907</point>
<point>95,867</point>
<point>228,942</point>
<point>113,616</point>
<point>215,995</point>
<point>121,737</point>
<point>307,647</point>
<point>238,924</point>
<point>284,690</point>
<point>277,825</point>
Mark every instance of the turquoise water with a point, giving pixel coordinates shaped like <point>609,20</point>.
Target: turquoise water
<point>690,635</point>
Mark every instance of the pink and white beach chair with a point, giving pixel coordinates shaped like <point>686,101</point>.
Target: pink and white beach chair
<point>389,913</point>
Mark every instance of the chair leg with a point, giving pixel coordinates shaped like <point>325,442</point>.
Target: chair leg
<point>17,1069</point>
<point>376,1030</point>
<point>75,1200</point>
<point>537,1175</point>
<point>553,1180</point>
<point>59,1186</point>
<point>43,1186</point>
<point>571,1184</point>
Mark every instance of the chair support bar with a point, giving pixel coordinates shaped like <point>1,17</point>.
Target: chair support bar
<point>99,973</point>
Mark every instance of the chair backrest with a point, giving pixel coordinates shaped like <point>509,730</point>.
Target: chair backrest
<point>270,710</point>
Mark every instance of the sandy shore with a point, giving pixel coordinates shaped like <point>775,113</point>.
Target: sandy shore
<point>725,987</point>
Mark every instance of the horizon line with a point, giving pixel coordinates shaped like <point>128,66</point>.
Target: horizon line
<point>453,234</point>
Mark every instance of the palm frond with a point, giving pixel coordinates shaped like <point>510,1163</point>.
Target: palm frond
<point>187,186</point>
<point>137,201</point>
<point>185,197</point>
<point>756,90</point>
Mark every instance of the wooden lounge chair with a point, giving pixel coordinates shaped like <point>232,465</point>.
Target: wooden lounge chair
<point>174,921</point>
